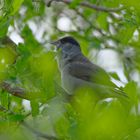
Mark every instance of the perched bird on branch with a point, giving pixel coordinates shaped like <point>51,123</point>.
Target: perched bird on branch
<point>77,71</point>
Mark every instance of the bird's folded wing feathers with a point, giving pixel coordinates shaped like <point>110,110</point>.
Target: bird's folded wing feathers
<point>97,78</point>
<point>90,72</point>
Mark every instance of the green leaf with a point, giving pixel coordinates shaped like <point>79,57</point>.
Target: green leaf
<point>35,108</point>
<point>8,56</point>
<point>62,127</point>
<point>4,99</point>
<point>4,24</point>
<point>16,6</point>
<point>114,75</point>
<point>17,117</point>
<point>131,90</point>
<point>125,33</point>
<point>110,3</point>
<point>102,21</point>
<point>130,3</point>
<point>75,3</point>
<point>31,45</point>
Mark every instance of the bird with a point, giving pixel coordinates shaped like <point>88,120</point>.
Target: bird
<point>78,71</point>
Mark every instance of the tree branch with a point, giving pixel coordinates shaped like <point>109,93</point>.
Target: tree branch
<point>99,8</point>
<point>90,23</point>
<point>38,133</point>
<point>16,91</point>
<point>88,5</point>
<point>34,131</point>
<point>1,8</point>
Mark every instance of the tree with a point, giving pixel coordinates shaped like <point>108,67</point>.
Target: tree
<point>33,103</point>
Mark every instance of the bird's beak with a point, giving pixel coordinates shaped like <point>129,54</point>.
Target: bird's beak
<point>56,43</point>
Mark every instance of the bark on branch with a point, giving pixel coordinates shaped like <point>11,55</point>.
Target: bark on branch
<point>88,5</point>
<point>16,91</point>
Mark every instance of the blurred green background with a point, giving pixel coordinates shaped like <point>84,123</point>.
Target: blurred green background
<point>109,34</point>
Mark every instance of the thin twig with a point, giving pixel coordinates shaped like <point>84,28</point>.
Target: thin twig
<point>99,8</point>
<point>90,23</point>
<point>16,91</point>
<point>38,133</point>
<point>88,5</point>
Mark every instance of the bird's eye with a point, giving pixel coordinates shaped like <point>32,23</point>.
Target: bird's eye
<point>58,45</point>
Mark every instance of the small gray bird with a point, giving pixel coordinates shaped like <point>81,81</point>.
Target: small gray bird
<point>77,71</point>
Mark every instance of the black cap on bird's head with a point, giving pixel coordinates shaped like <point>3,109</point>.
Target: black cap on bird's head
<point>65,41</point>
<point>69,39</point>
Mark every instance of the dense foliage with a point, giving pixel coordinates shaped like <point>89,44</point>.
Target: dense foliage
<point>28,65</point>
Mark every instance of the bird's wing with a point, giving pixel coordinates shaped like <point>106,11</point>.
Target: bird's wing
<point>97,77</point>
<point>90,72</point>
